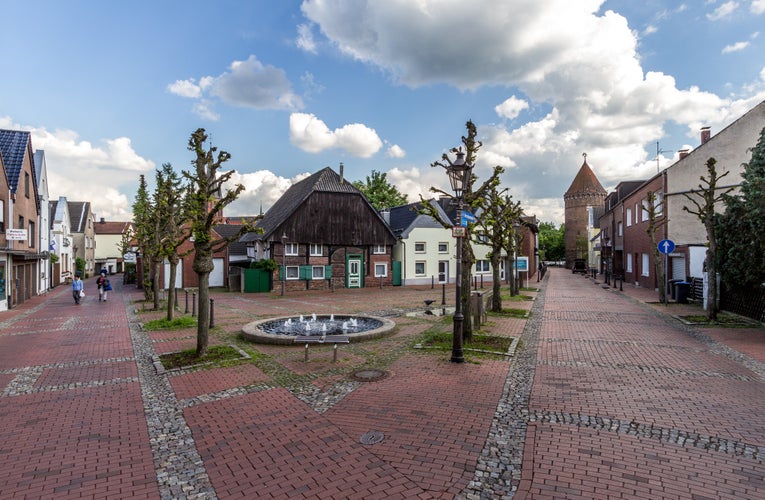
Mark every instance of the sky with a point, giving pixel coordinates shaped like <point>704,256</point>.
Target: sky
<point>113,90</point>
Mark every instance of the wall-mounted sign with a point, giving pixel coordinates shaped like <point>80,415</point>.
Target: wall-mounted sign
<point>16,234</point>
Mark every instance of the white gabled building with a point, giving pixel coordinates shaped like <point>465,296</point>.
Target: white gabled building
<point>61,241</point>
<point>43,195</point>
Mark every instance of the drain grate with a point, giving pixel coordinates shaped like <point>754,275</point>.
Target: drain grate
<point>368,375</point>
<point>372,437</point>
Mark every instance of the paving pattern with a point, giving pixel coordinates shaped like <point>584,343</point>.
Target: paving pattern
<point>606,396</point>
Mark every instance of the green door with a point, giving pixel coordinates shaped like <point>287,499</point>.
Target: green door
<point>396,273</point>
<point>354,275</point>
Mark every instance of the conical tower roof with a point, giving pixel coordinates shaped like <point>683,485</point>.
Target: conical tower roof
<point>585,182</point>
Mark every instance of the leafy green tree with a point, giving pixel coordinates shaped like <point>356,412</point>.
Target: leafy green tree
<point>205,200</point>
<point>704,199</point>
<point>741,229</point>
<point>143,220</point>
<point>552,243</point>
<point>380,193</point>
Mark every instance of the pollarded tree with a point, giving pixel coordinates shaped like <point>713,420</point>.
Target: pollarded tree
<point>471,202</point>
<point>205,202</point>
<point>741,228</point>
<point>704,199</point>
<point>380,193</point>
<point>653,207</point>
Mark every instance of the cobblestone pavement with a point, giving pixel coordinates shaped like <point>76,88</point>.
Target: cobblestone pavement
<point>606,396</point>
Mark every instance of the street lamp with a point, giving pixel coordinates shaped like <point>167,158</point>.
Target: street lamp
<point>284,261</point>
<point>459,173</point>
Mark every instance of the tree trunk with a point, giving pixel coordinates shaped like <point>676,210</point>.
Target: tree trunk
<point>155,282</point>
<point>203,318</point>
<point>496,298</point>
<point>711,270</point>
<point>171,290</point>
<point>467,310</point>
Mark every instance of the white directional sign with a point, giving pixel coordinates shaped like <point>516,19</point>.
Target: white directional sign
<point>666,246</point>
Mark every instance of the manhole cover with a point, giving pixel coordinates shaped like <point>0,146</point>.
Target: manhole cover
<point>372,437</point>
<point>368,375</point>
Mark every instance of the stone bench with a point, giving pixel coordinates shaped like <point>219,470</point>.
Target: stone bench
<point>324,339</point>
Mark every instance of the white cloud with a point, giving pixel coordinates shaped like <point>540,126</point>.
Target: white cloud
<point>738,46</point>
<point>758,6</point>
<point>83,171</point>
<point>511,107</point>
<point>305,39</point>
<point>247,83</point>
<point>311,134</point>
<point>262,189</point>
<point>723,11</point>
<point>395,151</point>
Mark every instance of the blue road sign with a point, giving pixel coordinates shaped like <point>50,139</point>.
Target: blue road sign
<point>467,217</point>
<point>666,246</point>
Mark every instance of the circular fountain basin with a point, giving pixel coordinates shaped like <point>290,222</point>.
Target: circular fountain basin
<point>288,329</point>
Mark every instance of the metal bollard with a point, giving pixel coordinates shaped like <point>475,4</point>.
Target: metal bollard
<point>443,294</point>
<point>176,297</point>
<point>194,305</point>
<point>432,282</point>
<point>334,355</point>
<point>187,302</point>
<point>306,354</point>
<point>212,313</point>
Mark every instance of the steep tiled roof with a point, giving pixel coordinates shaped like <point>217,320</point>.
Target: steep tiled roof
<point>111,227</point>
<point>585,182</point>
<point>78,215</point>
<point>406,217</point>
<point>13,146</point>
<point>325,180</point>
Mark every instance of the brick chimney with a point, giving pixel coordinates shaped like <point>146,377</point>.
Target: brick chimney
<point>706,134</point>
<point>683,153</point>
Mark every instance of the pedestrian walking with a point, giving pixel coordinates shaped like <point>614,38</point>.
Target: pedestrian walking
<point>103,286</point>
<point>77,289</point>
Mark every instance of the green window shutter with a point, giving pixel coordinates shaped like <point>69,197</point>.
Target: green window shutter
<point>327,272</point>
<point>305,272</point>
<point>281,272</point>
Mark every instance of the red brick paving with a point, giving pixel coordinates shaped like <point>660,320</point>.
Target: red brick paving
<point>203,382</point>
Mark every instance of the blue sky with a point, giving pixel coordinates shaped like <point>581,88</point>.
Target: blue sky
<point>113,90</point>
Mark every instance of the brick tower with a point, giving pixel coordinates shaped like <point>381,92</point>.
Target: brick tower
<point>584,193</point>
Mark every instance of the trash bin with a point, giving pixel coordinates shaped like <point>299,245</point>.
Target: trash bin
<point>682,288</point>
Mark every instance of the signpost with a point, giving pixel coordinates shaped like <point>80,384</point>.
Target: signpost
<point>666,247</point>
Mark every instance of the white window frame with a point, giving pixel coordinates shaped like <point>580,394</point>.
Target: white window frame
<point>424,271</point>
<point>629,262</point>
<point>644,211</point>
<point>619,229</point>
<point>379,249</point>
<point>292,249</point>
<point>315,250</point>
<point>381,270</point>
<point>482,266</point>
<point>443,247</point>
<point>292,273</point>
<point>419,247</point>
<point>645,269</point>
<point>314,275</point>
<point>658,204</point>
<point>629,217</point>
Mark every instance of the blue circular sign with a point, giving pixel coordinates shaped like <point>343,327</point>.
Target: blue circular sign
<point>666,246</point>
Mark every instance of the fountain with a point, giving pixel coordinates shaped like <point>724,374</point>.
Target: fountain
<point>286,329</point>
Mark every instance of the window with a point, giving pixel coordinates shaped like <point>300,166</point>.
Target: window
<point>21,222</point>
<point>419,268</point>
<point>619,230</point>
<point>419,247</point>
<point>645,266</point>
<point>644,211</point>
<point>636,213</point>
<point>293,272</point>
<point>629,262</point>
<point>379,249</point>
<point>629,217</point>
<point>482,238</point>
<point>482,266</point>
<point>31,234</point>
<point>2,220</point>
<point>26,184</point>
<point>290,249</point>
<point>443,247</point>
<point>658,204</point>
<point>381,270</point>
<point>252,252</point>
<point>317,272</point>
<point>315,250</point>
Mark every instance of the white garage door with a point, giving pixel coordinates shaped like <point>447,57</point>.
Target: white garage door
<point>178,275</point>
<point>216,276</point>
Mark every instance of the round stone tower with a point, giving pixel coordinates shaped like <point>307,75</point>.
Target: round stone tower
<point>584,194</point>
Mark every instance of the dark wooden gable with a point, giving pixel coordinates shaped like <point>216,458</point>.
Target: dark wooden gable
<point>324,209</point>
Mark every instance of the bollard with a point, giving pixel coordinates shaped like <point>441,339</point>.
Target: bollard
<point>432,282</point>
<point>443,294</point>
<point>212,313</point>
<point>482,281</point>
<point>334,355</point>
<point>306,354</point>
<point>187,302</point>
<point>194,305</point>
<point>176,297</point>
<point>621,280</point>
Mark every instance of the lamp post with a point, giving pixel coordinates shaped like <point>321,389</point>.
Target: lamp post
<point>459,173</point>
<point>284,261</point>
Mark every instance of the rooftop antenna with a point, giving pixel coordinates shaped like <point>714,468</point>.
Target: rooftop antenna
<point>658,152</point>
